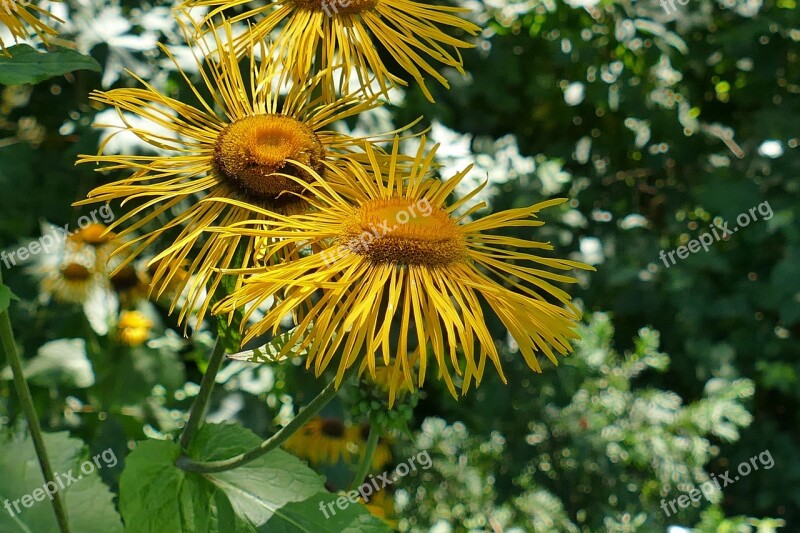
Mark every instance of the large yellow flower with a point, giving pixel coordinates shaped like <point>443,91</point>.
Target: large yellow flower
<point>244,140</point>
<point>22,18</point>
<point>317,34</point>
<point>407,270</point>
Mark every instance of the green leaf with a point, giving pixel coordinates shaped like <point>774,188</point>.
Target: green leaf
<point>229,333</point>
<point>308,516</point>
<point>63,361</point>
<point>276,492</point>
<point>155,495</point>
<point>26,65</point>
<point>268,353</point>
<point>89,502</point>
<point>5,297</point>
<point>229,325</point>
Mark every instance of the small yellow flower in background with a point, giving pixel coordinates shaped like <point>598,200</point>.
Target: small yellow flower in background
<point>130,284</point>
<point>14,96</point>
<point>381,505</point>
<point>30,131</point>
<point>133,328</point>
<point>405,266</point>
<point>70,282</point>
<point>248,143</point>
<point>94,234</point>
<point>66,270</point>
<point>22,18</point>
<point>346,34</point>
<point>100,239</point>
<point>69,271</point>
<point>383,453</point>
<point>321,441</point>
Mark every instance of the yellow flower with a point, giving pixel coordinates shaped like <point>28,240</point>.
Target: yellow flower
<point>130,284</point>
<point>94,234</point>
<point>346,33</point>
<point>358,435</point>
<point>97,237</point>
<point>133,328</point>
<point>381,505</point>
<point>321,441</point>
<point>72,281</point>
<point>247,143</point>
<point>22,18</point>
<point>407,268</point>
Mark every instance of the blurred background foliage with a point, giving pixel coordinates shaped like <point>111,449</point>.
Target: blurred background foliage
<point>653,124</point>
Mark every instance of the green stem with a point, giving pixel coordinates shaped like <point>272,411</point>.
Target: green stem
<point>302,418</point>
<point>26,400</point>
<point>200,405</point>
<point>369,453</point>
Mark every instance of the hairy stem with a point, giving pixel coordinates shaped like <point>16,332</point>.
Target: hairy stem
<point>200,406</point>
<point>26,400</point>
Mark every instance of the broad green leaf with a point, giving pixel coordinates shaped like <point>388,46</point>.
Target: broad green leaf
<point>26,65</point>
<point>155,495</point>
<point>5,297</point>
<point>88,500</point>
<point>276,492</point>
<point>309,516</point>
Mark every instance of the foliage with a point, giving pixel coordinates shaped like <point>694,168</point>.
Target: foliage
<point>600,450</point>
<point>274,493</point>
<point>26,65</point>
<point>89,502</point>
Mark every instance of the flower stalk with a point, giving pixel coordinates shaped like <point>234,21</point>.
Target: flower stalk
<point>26,401</point>
<point>200,405</point>
<point>300,420</point>
<point>369,453</point>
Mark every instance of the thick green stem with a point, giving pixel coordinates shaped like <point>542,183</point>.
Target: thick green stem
<point>25,399</point>
<point>200,406</point>
<point>302,418</point>
<point>369,453</point>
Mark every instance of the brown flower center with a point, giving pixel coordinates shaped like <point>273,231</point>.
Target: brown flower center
<point>332,427</point>
<point>125,280</point>
<point>398,230</point>
<point>75,272</point>
<point>256,155</point>
<point>337,7</point>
